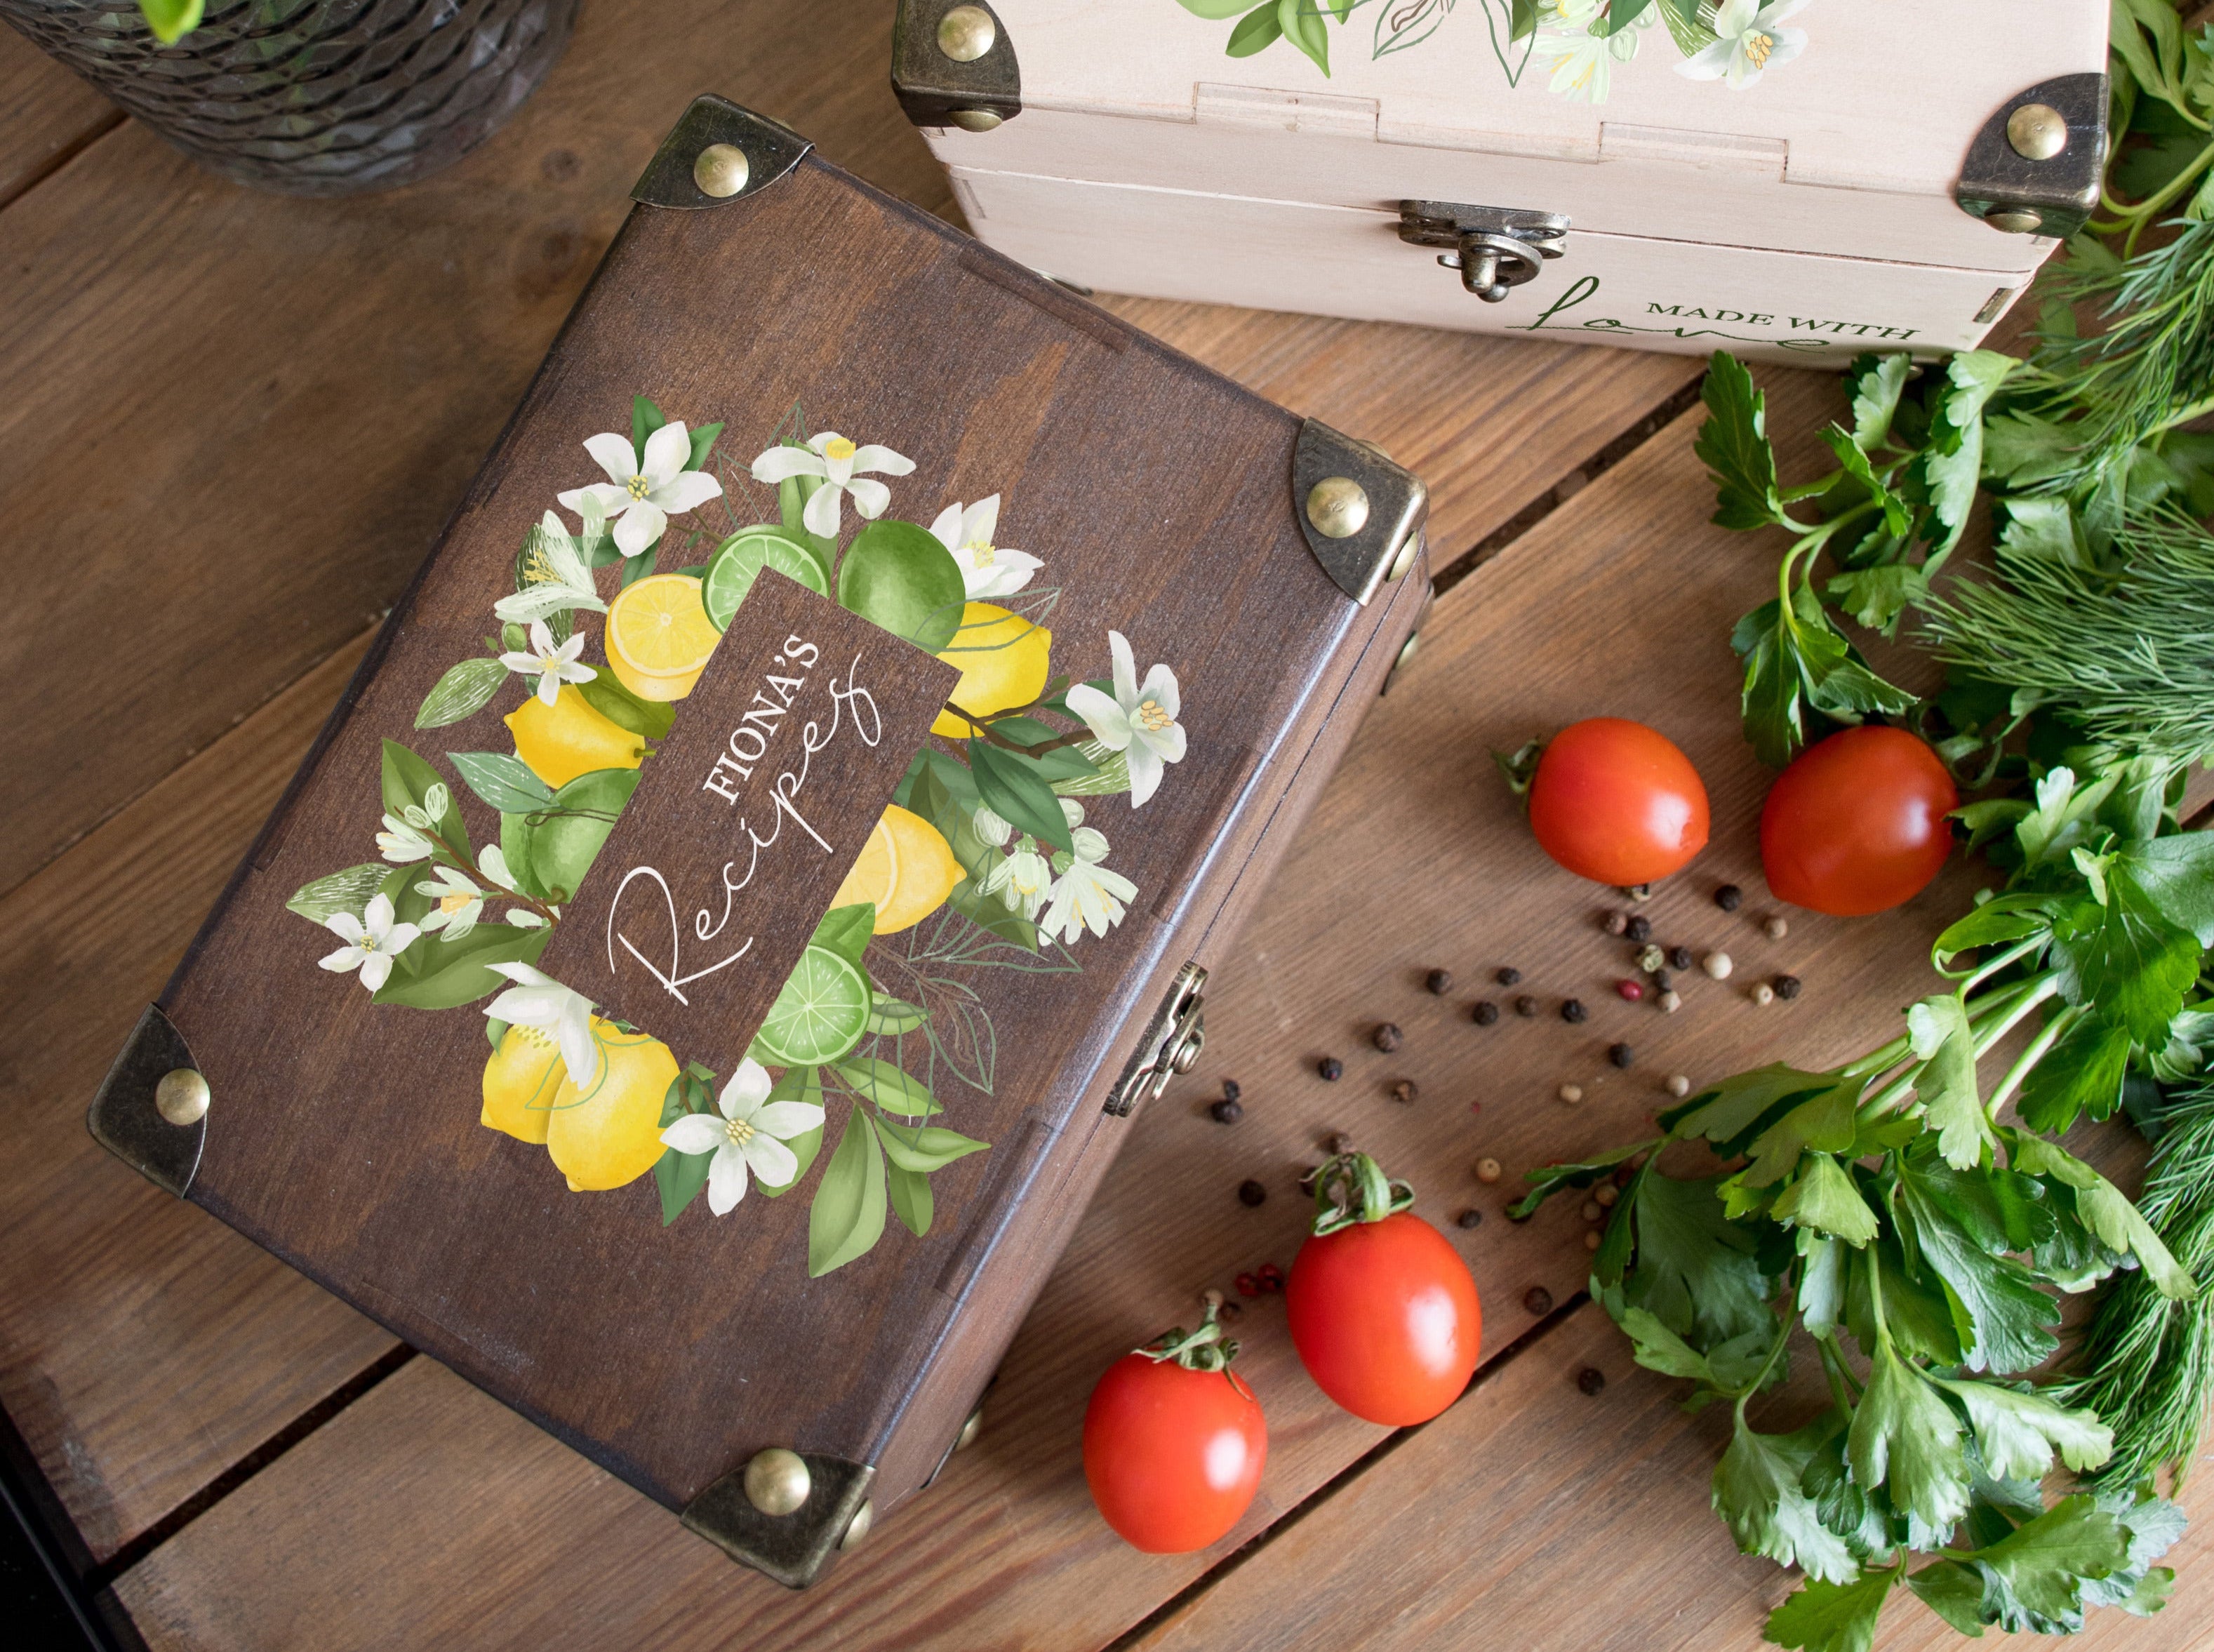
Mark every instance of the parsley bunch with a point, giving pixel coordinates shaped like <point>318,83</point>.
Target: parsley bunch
<point>1881,1208</point>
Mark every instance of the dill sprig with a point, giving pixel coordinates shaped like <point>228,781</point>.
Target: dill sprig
<point>2151,1361</point>
<point>2122,647</point>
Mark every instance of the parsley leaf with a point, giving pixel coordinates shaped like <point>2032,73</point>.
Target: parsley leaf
<point>2034,1577</point>
<point>1946,1084</point>
<point>1823,1123</point>
<point>2080,1074</point>
<point>2123,959</point>
<point>1694,1268</point>
<point>2110,1216</point>
<point>1824,1199</point>
<point>1875,382</point>
<point>1730,1113</point>
<point>1756,1491</point>
<point>1822,1617</point>
<point>2003,1321</point>
<point>1904,1437</point>
<point>1949,466</point>
<point>1733,445</point>
<point>2018,1430</point>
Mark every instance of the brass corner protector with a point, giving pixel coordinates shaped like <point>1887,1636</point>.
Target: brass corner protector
<point>953,64</point>
<point>151,1110</point>
<point>717,153</point>
<point>1361,514</point>
<point>790,1548</point>
<point>2046,188</point>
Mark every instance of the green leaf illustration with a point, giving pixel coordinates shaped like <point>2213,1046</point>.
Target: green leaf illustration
<point>453,973</point>
<point>411,783</point>
<point>172,20</point>
<point>1013,789</point>
<point>645,418</point>
<point>503,780</point>
<point>678,1177</point>
<point>923,1148</point>
<point>990,912</point>
<point>564,843</point>
<point>515,835</point>
<point>350,890</point>
<point>1260,29</point>
<point>703,443</point>
<point>898,576</point>
<point>650,719</point>
<point>911,1199</point>
<point>845,930</point>
<point>848,1216</point>
<point>465,690</point>
<point>888,1087</point>
<point>890,1017</point>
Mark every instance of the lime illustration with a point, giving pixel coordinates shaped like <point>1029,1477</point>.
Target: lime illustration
<point>820,1014</point>
<point>739,559</point>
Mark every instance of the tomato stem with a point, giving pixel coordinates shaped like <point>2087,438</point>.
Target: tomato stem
<point>1204,1350</point>
<point>1352,1188</point>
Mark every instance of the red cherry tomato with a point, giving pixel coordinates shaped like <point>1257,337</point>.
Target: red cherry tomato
<point>1857,824</point>
<point>1616,802</point>
<point>1174,1456</point>
<point>1385,1318</point>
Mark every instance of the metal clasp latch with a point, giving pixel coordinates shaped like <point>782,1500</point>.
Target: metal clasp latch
<point>1493,247</point>
<point>1172,1044</point>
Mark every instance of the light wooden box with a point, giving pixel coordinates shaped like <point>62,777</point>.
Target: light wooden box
<point>1862,191</point>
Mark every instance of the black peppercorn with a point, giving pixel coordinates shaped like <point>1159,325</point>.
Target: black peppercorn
<point>1679,957</point>
<point>1226,1112</point>
<point>1638,929</point>
<point>1251,1193</point>
<point>1620,1055</point>
<point>1787,986</point>
<point>1573,1010</point>
<point>1404,1091</point>
<point>1471,1217</point>
<point>1439,981</point>
<point>1727,897</point>
<point>1484,1013</point>
<point>1662,981</point>
<point>1538,1301</point>
<point>1386,1037</point>
<point>1508,977</point>
<point>1230,1090</point>
<point>1230,1313</point>
<point>1330,1067</point>
<point>1526,1006</point>
<point>1590,1380</point>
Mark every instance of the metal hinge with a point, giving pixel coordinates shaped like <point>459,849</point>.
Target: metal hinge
<point>1173,1040</point>
<point>718,153</point>
<point>1361,514</point>
<point>953,65</point>
<point>151,1110</point>
<point>1493,247</point>
<point>2034,165</point>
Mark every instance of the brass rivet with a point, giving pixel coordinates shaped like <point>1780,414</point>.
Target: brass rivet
<point>975,119</point>
<point>777,1481</point>
<point>721,170</point>
<point>1407,650</point>
<point>1409,548</point>
<point>969,1430</point>
<point>2037,130</point>
<point>2015,223</point>
<point>966,34</point>
<point>181,1097</point>
<point>857,1529</point>
<point>1338,507</point>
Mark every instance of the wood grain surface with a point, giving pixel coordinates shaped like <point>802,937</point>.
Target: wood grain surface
<point>330,375</point>
<point>46,115</point>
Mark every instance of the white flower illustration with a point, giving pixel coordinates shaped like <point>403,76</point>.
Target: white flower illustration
<point>1584,63</point>
<point>1021,880</point>
<point>1140,720</point>
<point>372,941</point>
<point>1086,895</point>
<point>538,1000</point>
<point>402,842</point>
<point>839,464</point>
<point>987,570</point>
<point>750,1134</point>
<point>552,666</point>
<point>643,491</point>
<point>1750,41</point>
<point>994,830</point>
<point>560,577</point>
<point>460,902</point>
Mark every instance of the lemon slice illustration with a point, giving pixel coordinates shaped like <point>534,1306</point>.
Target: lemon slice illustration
<point>819,1015</point>
<point>738,561</point>
<point>659,637</point>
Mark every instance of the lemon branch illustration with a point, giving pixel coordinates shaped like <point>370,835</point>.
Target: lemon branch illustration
<point>447,853</point>
<point>981,728</point>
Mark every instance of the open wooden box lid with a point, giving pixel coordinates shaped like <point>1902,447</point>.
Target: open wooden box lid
<point>1857,145</point>
<point>758,288</point>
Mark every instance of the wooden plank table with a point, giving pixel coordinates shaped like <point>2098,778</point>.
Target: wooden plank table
<point>239,420</point>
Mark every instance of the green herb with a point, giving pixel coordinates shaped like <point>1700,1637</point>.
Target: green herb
<point>172,20</point>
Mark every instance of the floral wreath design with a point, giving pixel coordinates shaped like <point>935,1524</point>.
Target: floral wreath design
<point>985,861</point>
<point>1734,41</point>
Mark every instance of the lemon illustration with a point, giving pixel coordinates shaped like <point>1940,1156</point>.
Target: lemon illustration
<point>609,1132</point>
<point>559,741</point>
<point>819,1015</point>
<point>519,1084</point>
<point>906,868</point>
<point>1002,660</point>
<point>659,636</point>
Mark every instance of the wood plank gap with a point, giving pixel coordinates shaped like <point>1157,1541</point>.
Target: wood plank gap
<point>103,1575</point>
<point>1322,1494</point>
<point>359,640</point>
<point>1568,487</point>
<point>62,157</point>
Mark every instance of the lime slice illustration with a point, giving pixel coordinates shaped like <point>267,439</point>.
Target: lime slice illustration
<point>739,559</point>
<point>820,1014</point>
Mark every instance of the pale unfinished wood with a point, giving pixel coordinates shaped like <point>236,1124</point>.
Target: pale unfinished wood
<point>1618,602</point>
<point>46,114</point>
<point>146,1346</point>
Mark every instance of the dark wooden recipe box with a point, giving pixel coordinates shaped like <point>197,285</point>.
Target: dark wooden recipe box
<point>746,859</point>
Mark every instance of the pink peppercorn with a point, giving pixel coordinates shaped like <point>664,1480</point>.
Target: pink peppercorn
<point>1631,991</point>
<point>1248,1286</point>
